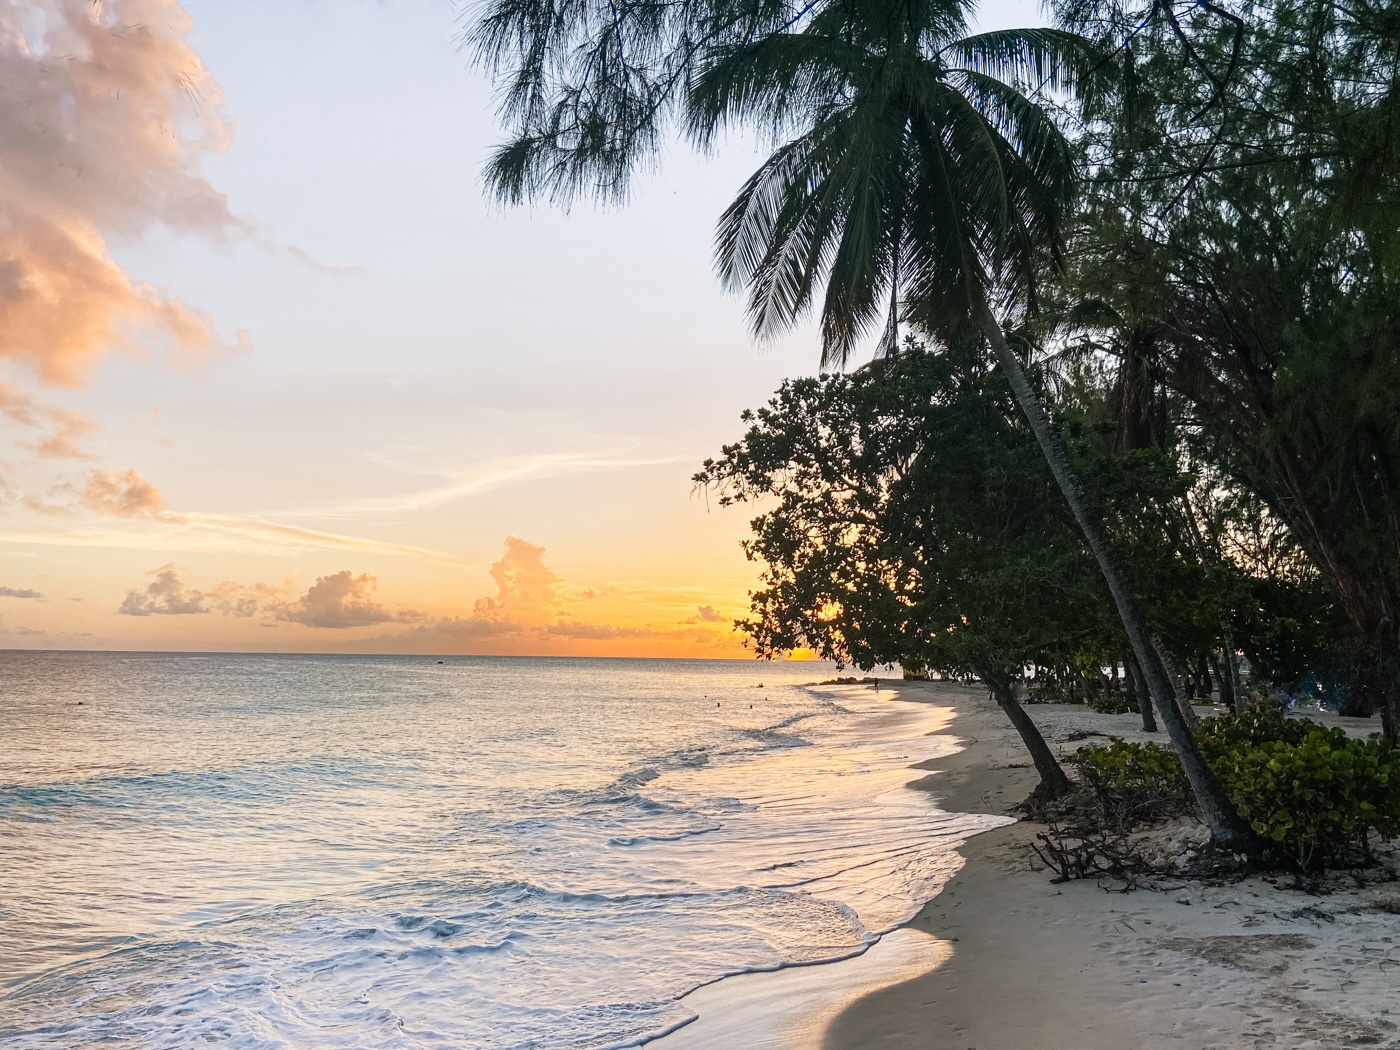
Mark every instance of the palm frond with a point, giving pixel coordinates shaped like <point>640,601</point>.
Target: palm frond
<point>1035,60</point>
<point>775,83</point>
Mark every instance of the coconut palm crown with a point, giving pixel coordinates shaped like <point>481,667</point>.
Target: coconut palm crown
<point>914,178</point>
<point>912,169</point>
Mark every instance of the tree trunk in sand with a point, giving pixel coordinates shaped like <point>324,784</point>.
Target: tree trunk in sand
<point>1232,665</point>
<point>1144,700</point>
<point>1053,781</point>
<point>1183,702</point>
<point>1228,830</point>
<point>1227,689</point>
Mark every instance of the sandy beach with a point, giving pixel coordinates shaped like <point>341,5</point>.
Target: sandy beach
<point>1003,959</point>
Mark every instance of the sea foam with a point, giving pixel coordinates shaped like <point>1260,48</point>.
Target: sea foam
<point>485,853</point>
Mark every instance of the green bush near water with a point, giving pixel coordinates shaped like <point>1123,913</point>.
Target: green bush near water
<point>1313,791</point>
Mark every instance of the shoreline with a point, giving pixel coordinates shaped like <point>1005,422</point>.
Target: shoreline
<point>1002,959</point>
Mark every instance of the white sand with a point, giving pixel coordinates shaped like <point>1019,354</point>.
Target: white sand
<point>1010,961</point>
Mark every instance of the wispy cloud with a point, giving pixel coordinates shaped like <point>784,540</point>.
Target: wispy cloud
<point>60,429</point>
<point>296,537</point>
<point>474,483</point>
<point>306,260</point>
<point>192,532</point>
<point>20,592</point>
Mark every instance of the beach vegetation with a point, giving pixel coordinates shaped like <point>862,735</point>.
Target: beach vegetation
<point>907,516</point>
<point>1318,796</point>
<point>1237,246</point>
<point>1167,236</point>
<point>1133,784</point>
<point>915,178</point>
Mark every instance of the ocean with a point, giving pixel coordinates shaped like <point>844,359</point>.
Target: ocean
<point>405,852</point>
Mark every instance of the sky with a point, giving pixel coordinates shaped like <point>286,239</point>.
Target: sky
<point>275,375</point>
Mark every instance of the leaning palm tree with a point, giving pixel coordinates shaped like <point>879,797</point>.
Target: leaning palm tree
<point>914,181</point>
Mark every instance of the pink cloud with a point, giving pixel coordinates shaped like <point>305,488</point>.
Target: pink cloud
<point>64,428</point>
<point>127,495</point>
<point>123,494</point>
<point>105,111</point>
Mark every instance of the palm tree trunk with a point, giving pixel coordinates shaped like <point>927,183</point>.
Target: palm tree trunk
<point>1228,830</point>
<point>1053,781</point>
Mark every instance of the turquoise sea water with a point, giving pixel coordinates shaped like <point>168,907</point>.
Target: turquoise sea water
<point>340,851</point>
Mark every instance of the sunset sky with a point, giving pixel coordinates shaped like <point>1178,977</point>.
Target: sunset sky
<point>275,375</point>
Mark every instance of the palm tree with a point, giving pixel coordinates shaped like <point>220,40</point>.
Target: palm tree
<point>916,184</point>
<point>914,180</point>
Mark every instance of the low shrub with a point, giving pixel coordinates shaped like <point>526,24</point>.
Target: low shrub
<point>1311,790</point>
<point>1111,702</point>
<point>1316,795</point>
<point>1051,691</point>
<point>1135,784</point>
<point>1254,726</point>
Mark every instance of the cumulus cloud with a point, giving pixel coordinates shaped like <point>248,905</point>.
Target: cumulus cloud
<point>166,595</point>
<point>19,592</point>
<point>341,600</point>
<point>527,590</point>
<point>105,111</point>
<point>530,610</point>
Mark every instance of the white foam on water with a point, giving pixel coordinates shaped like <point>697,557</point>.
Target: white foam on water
<point>336,852</point>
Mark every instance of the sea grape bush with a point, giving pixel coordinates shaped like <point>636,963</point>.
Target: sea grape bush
<point>1311,790</point>
<point>1257,724</point>
<point>1134,784</point>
